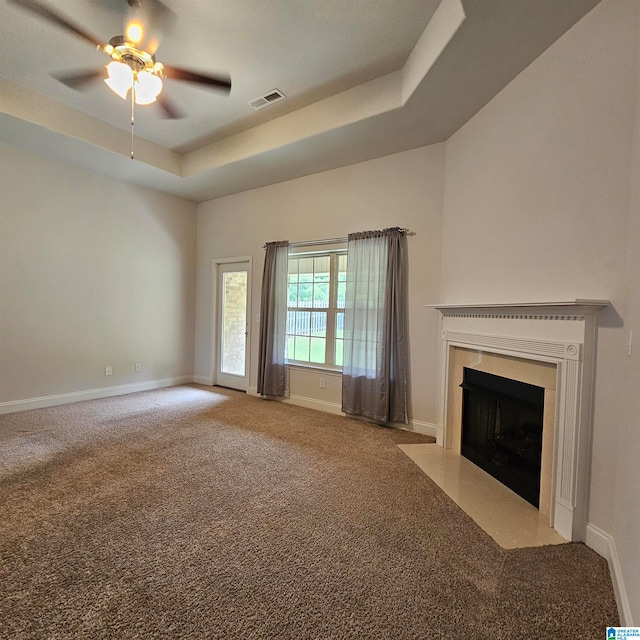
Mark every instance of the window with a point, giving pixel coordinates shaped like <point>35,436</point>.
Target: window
<point>315,313</point>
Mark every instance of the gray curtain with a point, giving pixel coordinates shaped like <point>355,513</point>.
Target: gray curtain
<point>273,372</point>
<point>375,370</point>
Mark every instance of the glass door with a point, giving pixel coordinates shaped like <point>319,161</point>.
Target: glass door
<point>232,360</point>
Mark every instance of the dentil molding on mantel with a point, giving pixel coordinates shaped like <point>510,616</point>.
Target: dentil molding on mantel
<point>556,310</point>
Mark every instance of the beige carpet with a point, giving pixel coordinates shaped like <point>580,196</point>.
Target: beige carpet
<point>197,513</point>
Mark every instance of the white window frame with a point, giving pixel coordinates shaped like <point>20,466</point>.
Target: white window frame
<point>332,310</point>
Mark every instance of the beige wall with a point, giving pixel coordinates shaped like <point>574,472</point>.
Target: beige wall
<point>619,401</point>
<point>93,271</point>
<point>537,207</point>
<point>400,190</point>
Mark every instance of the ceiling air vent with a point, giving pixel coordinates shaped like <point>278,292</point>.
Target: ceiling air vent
<point>275,95</point>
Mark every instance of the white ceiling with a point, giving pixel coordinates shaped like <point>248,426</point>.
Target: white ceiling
<point>363,78</point>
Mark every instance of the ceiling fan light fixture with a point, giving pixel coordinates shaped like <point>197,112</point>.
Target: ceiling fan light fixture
<point>133,64</point>
<point>147,87</point>
<point>120,78</point>
<point>135,32</point>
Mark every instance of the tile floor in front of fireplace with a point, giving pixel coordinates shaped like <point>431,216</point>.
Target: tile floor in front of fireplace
<point>511,521</point>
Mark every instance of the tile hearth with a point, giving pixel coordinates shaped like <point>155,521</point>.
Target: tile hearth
<point>511,521</point>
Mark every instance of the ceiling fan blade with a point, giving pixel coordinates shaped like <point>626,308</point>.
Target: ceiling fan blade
<point>78,79</point>
<point>169,109</point>
<point>58,19</point>
<point>221,81</point>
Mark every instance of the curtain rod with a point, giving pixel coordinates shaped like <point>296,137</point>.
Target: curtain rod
<point>309,243</point>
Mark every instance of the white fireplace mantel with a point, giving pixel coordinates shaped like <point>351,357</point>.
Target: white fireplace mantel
<point>565,310</point>
<point>562,333</point>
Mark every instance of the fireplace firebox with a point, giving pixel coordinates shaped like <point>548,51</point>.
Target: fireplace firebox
<point>502,430</point>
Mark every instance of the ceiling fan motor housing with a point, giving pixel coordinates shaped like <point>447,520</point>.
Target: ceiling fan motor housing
<point>120,50</point>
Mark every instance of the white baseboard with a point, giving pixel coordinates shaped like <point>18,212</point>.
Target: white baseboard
<point>303,401</point>
<point>90,394</point>
<point>425,428</point>
<point>312,403</point>
<point>418,426</point>
<point>202,380</point>
<point>604,544</point>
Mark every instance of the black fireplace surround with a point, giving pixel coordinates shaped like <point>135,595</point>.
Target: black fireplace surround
<point>502,430</point>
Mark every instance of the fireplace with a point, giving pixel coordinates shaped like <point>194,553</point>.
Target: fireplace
<point>551,345</point>
<point>502,423</point>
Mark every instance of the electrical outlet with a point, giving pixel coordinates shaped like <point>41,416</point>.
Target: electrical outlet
<point>323,383</point>
<point>108,370</point>
<point>138,367</point>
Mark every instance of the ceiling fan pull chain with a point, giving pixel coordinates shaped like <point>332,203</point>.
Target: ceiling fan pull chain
<point>133,97</point>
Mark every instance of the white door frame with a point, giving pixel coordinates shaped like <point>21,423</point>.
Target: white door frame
<point>213,336</point>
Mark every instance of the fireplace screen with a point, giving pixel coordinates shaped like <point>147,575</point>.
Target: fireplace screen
<point>502,430</point>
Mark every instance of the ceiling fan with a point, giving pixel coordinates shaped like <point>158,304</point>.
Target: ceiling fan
<point>133,65</point>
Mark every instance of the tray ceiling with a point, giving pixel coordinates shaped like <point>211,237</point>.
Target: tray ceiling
<point>362,78</point>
